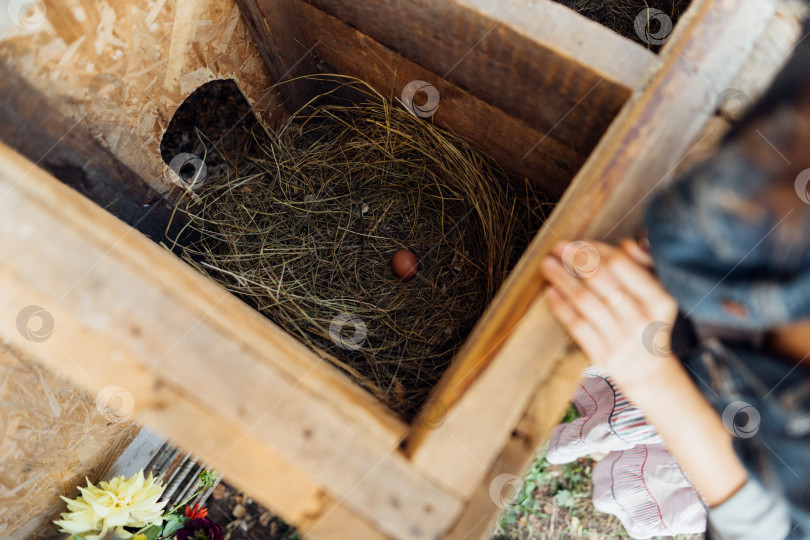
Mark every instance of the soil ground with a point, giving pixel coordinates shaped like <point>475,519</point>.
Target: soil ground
<point>556,505</point>
<point>243,519</point>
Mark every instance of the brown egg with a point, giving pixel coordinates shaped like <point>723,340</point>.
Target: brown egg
<point>405,264</point>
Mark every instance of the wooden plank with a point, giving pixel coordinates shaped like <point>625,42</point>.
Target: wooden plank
<point>459,450</point>
<point>66,149</point>
<point>248,464</point>
<point>529,59</point>
<point>548,405</point>
<point>550,165</point>
<point>766,59</point>
<point>284,48</point>
<point>334,521</point>
<point>642,146</point>
<point>202,367</point>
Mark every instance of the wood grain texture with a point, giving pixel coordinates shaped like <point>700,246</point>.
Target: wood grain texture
<point>551,398</point>
<point>284,48</point>
<point>637,154</point>
<point>138,454</point>
<point>534,61</point>
<point>203,368</point>
<point>549,165</point>
<point>767,57</point>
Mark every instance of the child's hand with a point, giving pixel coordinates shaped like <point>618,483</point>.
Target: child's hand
<point>609,301</point>
<point>613,307</point>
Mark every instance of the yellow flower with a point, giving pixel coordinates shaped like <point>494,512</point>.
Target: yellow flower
<point>114,505</point>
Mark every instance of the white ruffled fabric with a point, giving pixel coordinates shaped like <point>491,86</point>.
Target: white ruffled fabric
<point>638,480</point>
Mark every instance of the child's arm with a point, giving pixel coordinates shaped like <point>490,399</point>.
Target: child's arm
<point>607,314</point>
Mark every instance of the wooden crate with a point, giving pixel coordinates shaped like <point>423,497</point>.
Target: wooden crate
<point>581,112</point>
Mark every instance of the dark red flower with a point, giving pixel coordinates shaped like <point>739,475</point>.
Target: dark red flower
<point>200,529</point>
<point>195,512</point>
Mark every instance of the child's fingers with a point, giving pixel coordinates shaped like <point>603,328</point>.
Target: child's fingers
<point>582,300</point>
<point>603,283</point>
<point>643,291</point>
<point>643,287</point>
<point>562,247</point>
<point>636,252</point>
<point>586,337</point>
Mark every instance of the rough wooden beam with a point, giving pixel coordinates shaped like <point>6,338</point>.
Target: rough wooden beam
<point>531,60</point>
<point>549,165</point>
<point>284,48</point>
<point>551,398</point>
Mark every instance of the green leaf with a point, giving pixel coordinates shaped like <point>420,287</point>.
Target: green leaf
<point>174,522</point>
<point>153,532</point>
<point>564,498</point>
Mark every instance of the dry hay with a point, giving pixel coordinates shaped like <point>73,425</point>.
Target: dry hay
<point>304,223</point>
<point>620,15</point>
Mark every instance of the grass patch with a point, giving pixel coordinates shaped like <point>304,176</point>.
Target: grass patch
<point>555,503</point>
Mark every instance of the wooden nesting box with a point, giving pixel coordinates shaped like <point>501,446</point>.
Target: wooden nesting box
<point>583,113</point>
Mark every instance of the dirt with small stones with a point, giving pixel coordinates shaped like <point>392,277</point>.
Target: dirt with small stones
<point>242,518</point>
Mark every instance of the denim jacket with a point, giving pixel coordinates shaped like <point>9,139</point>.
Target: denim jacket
<point>739,265</point>
<point>764,401</point>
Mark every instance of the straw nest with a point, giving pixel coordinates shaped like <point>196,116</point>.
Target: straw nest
<point>304,223</point>
<point>621,15</point>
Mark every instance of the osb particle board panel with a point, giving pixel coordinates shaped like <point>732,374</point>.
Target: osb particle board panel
<point>51,437</point>
<point>124,66</point>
